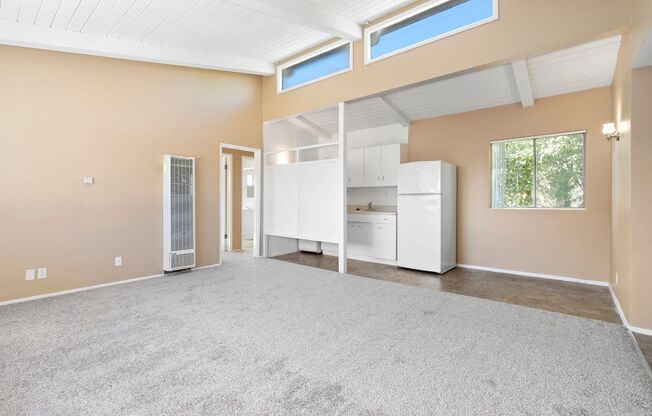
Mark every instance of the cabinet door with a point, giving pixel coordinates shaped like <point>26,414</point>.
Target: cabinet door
<point>391,158</point>
<point>360,238</point>
<point>355,167</point>
<point>373,166</point>
<point>384,241</point>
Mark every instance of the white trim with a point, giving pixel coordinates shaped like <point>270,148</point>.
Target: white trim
<point>537,275</point>
<point>306,14</point>
<point>258,214</point>
<point>208,266</point>
<point>540,136</point>
<point>330,47</point>
<point>226,194</point>
<point>85,288</point>
<point>406,15</point>
<point>632,328</point>
<point>294,149</point>
<point>32,36</point>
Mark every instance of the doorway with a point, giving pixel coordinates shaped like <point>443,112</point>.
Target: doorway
<point>240,200</point>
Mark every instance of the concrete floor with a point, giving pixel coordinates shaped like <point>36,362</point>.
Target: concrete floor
<point>576,299</point>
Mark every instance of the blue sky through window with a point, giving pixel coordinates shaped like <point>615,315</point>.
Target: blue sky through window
<point>427,25</point>
<point>319,66</point>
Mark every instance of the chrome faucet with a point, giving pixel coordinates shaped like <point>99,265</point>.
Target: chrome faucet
<point>369,206</point>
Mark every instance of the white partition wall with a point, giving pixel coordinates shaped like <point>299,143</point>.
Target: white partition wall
<point>282,200</point>
<point>318,202</point>
<point>304,181</point>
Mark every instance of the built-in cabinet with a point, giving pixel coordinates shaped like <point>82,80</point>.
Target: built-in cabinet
<point>372,236</point>
<point>355,167</point>
<point>375,165</point>
<point>301,200</point>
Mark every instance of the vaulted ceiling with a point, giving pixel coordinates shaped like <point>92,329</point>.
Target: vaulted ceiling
<point>237,35</point>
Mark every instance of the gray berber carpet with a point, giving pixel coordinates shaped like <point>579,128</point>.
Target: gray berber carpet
<point>264,337</point>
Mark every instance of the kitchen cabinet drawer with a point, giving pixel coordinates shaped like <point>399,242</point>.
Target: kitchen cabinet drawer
<point>385,219</point>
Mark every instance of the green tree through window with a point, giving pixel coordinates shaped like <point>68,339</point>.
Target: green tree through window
<point>544,172</point>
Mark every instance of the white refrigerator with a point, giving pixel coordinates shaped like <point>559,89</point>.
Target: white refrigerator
<point>427,215</point>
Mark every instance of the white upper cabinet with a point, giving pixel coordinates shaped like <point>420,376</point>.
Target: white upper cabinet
<point>355,167</point>
<point>375,165</point>
<point>373,169</point>
<point>390,159</point>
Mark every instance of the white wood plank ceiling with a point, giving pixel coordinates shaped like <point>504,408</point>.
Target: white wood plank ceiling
<point>587,66</point>
<point>237,35</point>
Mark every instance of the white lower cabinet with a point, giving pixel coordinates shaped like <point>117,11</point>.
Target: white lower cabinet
<point>372,236</point>
<point>360,237</point>
<point>385,241</point>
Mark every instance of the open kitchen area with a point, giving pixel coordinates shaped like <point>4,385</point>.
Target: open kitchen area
<point>338,182</point>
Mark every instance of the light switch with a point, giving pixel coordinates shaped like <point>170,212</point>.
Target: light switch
<point>89,180</point>
<point>42,272</point>
<point>29,274</point>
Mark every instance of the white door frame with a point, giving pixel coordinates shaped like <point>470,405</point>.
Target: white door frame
<point>258,214</point>
<point>226,194</point>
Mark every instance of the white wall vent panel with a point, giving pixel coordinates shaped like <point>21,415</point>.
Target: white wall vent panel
<point>178,213</point>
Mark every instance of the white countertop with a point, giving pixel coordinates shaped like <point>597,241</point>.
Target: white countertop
<point>376,210</point>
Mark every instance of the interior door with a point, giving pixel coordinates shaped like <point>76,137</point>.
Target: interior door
<point>391,158</point>
<point>419,232</point>
<point>355,167</point>
<point>373,166</point>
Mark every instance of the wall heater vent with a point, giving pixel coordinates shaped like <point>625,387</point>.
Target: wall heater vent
<point>178,213</point>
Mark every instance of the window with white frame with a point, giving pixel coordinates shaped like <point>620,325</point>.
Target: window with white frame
<point>323,63</point>
<point>431,21</point>
<point>538,172</point>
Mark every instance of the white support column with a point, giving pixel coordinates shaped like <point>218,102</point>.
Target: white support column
<point>342,246</point>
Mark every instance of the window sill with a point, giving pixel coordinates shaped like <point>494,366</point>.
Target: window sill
<point>537,209</point>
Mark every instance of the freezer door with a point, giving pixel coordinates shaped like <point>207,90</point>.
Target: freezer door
<point>419,178</point>
<point>419,232</point>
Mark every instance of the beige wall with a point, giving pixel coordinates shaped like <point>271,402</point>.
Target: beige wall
<point>621,178</point>
<point>632,158</point>
<point>641,175</point>
<point>525,28</point>
<point>573,243</point>
<point>236,207</point>
<point>65,116</point>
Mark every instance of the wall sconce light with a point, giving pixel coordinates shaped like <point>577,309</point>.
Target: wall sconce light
<point>610,132</point>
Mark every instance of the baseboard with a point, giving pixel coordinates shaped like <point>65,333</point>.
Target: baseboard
<point>632,328</point>
<point>209,266</point>
<point>537,275</point>
<point>82,289</point>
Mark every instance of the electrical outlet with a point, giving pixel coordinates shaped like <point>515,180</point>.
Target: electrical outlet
<point>42,272</point>
<point>118,261</point>
<point>29,274</point>
<point>616,277</point>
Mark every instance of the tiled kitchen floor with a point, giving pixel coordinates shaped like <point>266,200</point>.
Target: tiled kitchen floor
<point>564,297</point>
